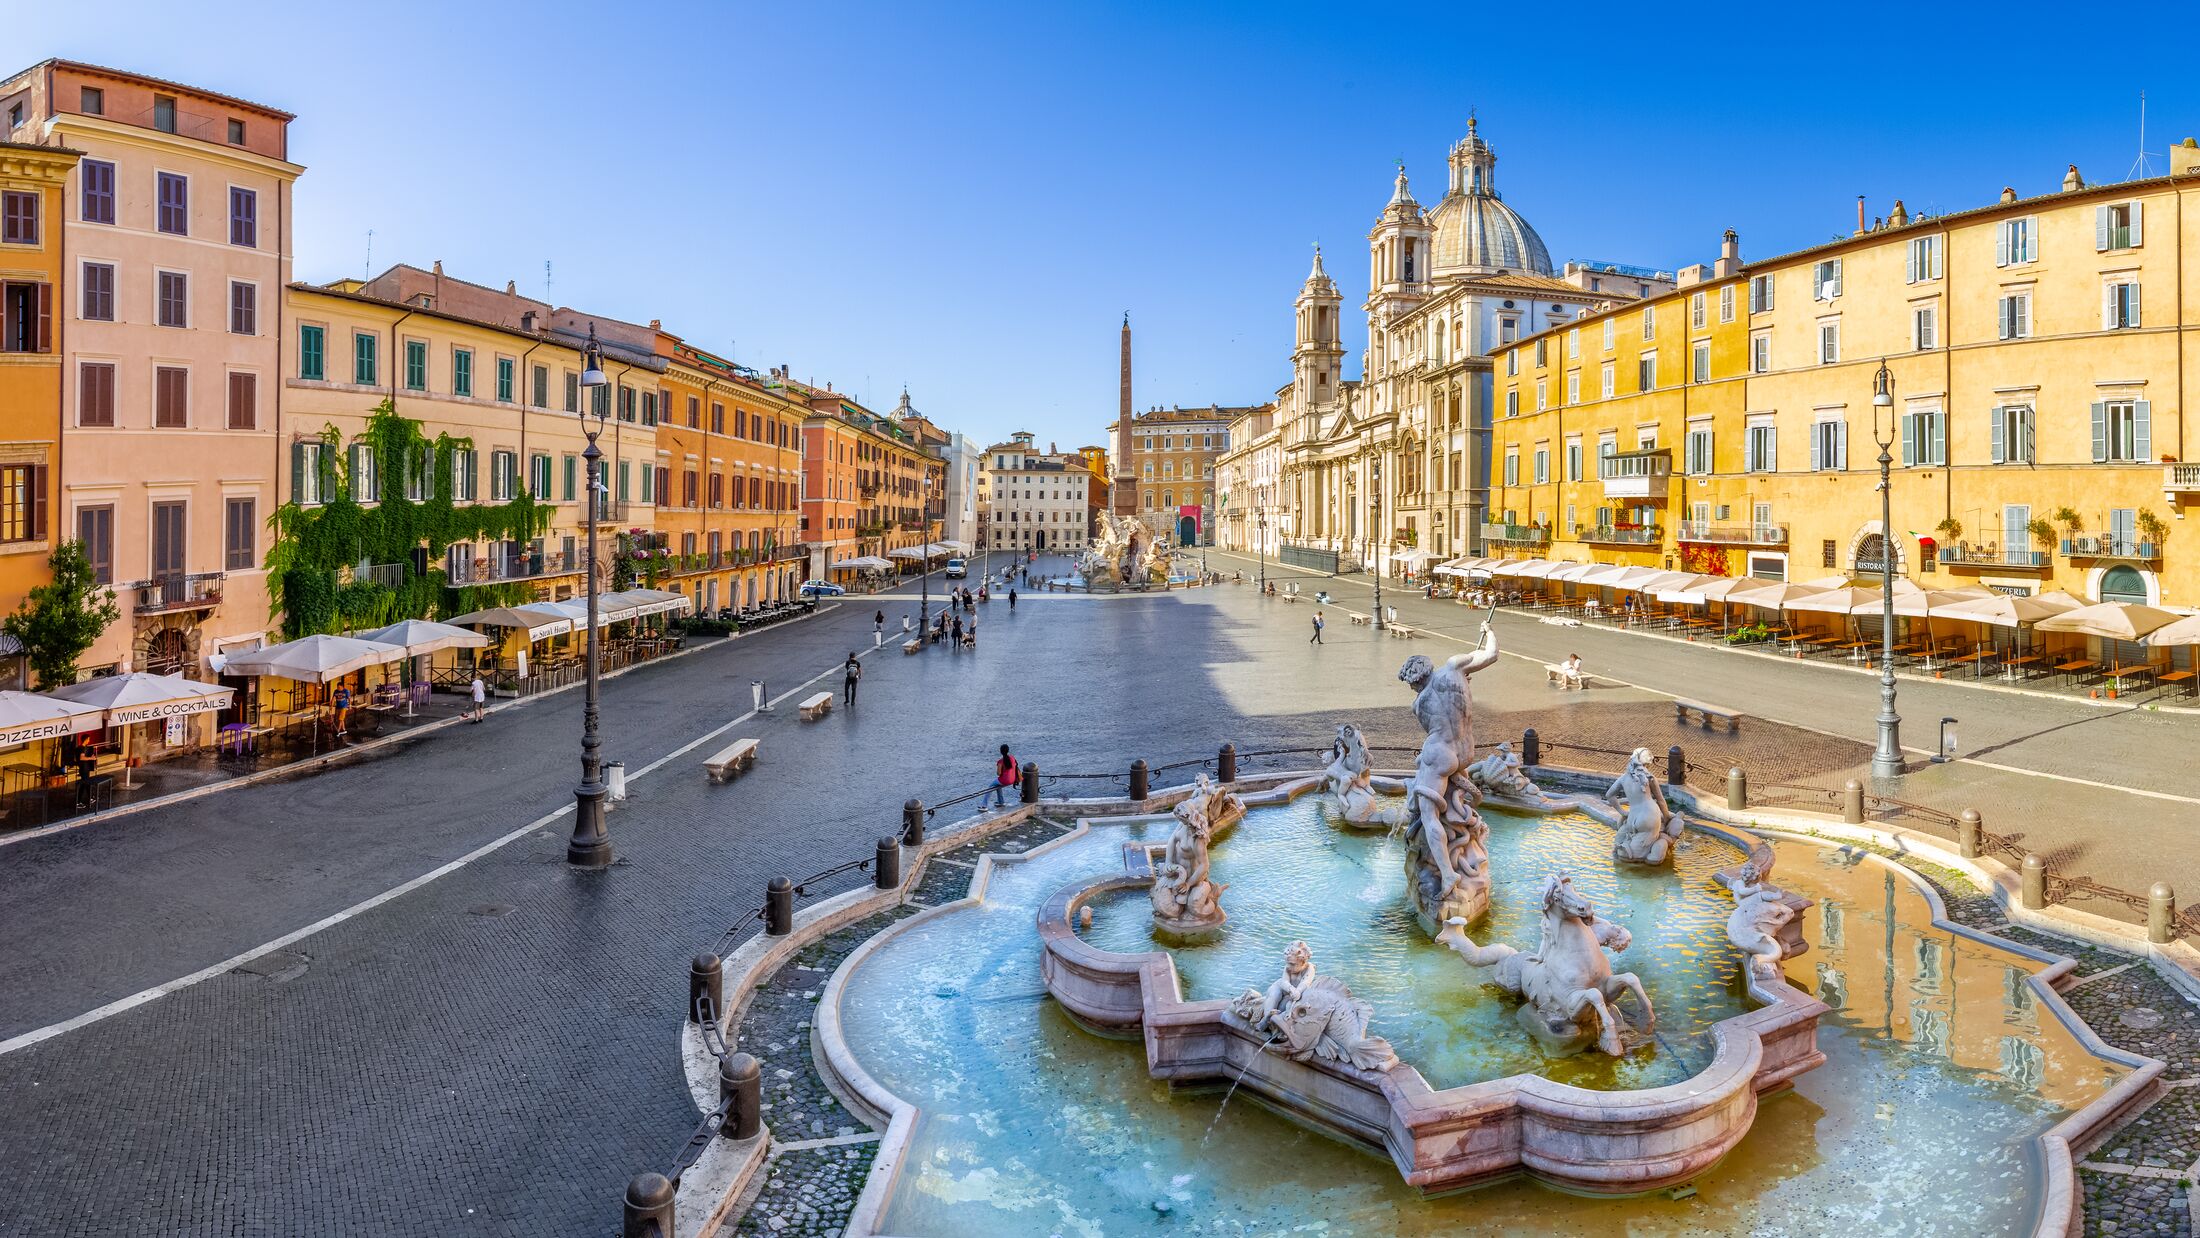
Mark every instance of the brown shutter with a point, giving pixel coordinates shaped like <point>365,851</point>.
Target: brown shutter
<point>243,401</point>
<point>45,317</point>
<point>38,501</point>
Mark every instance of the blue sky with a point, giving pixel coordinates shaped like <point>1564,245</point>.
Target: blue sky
<point>966,199</point>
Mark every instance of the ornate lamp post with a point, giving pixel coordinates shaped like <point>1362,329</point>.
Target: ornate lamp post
<point>1887,757</point>
<point>924,573</point>
<point>590,846</point>
<point>1374,539</point>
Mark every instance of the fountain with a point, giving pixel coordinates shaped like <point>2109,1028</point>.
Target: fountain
<point>1185,902</point>
<point>1351,778</point>
<point>1648,826</point>
<point>1121,555</point>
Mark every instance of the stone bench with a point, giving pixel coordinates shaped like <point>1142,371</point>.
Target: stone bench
<point>1401,631</point>
<point>1289,597</point>
<point>912,646</point>
<point>1732,717</point>
<point>733,759</point>
<point>817,706</point>
<point>1357,617</point>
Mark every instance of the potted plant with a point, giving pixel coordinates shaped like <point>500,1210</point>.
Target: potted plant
<point>2042,532</point>
<point>2152,533</point>
<point>506,687</point>
<point>1951,528</point>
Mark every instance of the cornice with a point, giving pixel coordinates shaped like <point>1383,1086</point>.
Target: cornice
<point>49,164</point>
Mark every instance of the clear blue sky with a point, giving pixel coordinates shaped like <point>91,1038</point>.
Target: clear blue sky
<point>967,199</point>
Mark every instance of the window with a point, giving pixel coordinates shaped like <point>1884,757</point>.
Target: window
<point>572,392</point>
<point>312,360</point>
<point>1512,365</point>
<point>236,133</point>
<point>1924,327</point>
<point>1760,294</point>
<point>1607,380</point>
<point>626,403</point>
<point>1696,451</point>
<point>650,402</point>
<point>18,217</point>
<point>1573,460</point>
<point>173,210</point>
<point>95,394</point>
<point>1573,387</point>
<point>244,217</point>
<point>2121,430</point>
<point>171,397</point>
<point>503,475</point>
<point>1508,330</point>
<point>2012,434</point>
<point>171,305</point>
<point>91,100</point>
<point>505,379</point>
<point>416,365</point>
<point>365,369</point>
<point>465,475</point>
<point>2015,318</point>
<point>1542,465</point>
<point>540,383</point>
<point>1726,303</point>
<point>306,474</point>
<point>420,474</point>
<point>1512,409</point>
<point>1760,449</point>
<point>1922,262</point>
<point>1649,322</point>
<point>2116,226</point>
<point>1829,341</point>
<point>538,476</point>
<point>717,418</point>
<point>2120,304</point>
<point>695,412</point>
<point>1695,312</point>
<point>97,203</point>
<point>1573,343</point>
<point>2015,241</point>
<point>462,371</point>
<point>22,502</point>
<point>1924,438</point>
<point>1542,353</point>
<point>1512,468</point>
<point>1760,353</point>
<point>98,302</point>
<point>1646,372</point>
<point>1826,280</point>
<point>1699,362</point>
<point>95,527</point>
<point>1829,445</point>
<point>240,533</point>
<point>244,401</point>
<point>1542,394</point>
<point>626,480</point>
<point>244,308</point>
<point>164,113</point>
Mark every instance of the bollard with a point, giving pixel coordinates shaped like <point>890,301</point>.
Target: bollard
<point>706,979</point>
<point>1968,830</point>
<point>886,869</point>
<point>1139,780</point>
<point>2035,883</point>
<point>779,907</point>
<point>1031,782</point>
<point>1226,763</point>
<point>741,1080</point>
<point>1737,789</point>
<point>1531,747</point>
<point>648,1207</point>
<point>1676,767</point>
<point>912,824</point>
<point>2161,914</point>
<point>1852,802</point>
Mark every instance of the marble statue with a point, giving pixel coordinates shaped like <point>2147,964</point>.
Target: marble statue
<point>1767,922</point>
<point>1648,826</point>
<point>1500,773</point>
<point>1121,553</point>
<point>1569,987</point>
<point>1315,1016</point>
<point>1351,777</point>
<point>1184,899</point>
<point>1447,873</point>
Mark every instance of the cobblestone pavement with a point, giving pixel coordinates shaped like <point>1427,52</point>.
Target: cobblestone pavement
<point>495,1051</point>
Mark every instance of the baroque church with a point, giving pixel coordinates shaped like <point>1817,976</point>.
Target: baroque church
<point>1392,469</point>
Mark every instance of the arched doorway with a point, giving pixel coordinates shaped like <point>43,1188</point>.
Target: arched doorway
<point>1039,540</point>
<point>165,653</point>
<point>2123,584</point>
<point>1187,531</point>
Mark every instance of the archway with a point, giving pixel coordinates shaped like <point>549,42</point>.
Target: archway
<point>2123,584</point>
<point>165,653</point>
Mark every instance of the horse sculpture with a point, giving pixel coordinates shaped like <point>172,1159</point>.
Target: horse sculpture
<point>1568,979</point>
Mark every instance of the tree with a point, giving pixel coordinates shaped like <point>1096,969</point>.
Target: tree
<point>59,620</point>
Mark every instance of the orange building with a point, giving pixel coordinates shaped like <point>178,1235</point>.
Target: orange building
<point>31,182</point>
<point>729,507</point>
<point>872,485</point>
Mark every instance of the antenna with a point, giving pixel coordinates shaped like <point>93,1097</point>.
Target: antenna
<point>546,282</point>
<point>369,272</point>
<point>2139,166</point>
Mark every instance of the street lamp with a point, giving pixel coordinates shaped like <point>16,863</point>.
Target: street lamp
<point>924,574</point>
<point>1375,518</point>
<point>590,846</point>
<point>1887,757</point>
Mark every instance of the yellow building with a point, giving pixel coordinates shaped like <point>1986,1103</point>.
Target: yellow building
<point>2041,359</point>
<point>731,508</point>
<point>31,183</point>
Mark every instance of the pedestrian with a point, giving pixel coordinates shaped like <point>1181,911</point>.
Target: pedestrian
<point>1006,773</point>
<point>1317,637</point>
<point>958,633</point>
<point>87,761</point>
<point>481,697</point>
<point>1012,599</point>
<point>880,620</point>
<point>849,674</point>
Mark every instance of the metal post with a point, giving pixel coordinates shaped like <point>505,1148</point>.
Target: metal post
<point>912,824</point>
<point>1852,802</point>
<point>1031,782</point>
<point>1887,756</point>
<point>1968,829</point>
<point>590,846</point>
<point>1676,767</point>
<point>1226,763</point>
<point>1531,747</point>
<point>1139,780</point>
<point>779,907</point>
<point>741,1080</point>
<point>1737,789</point>
<point>2161,914</point>
<point>648,1207</point>
<point>706,979</point>
<point>2035,883</point>
<point>886,867</point>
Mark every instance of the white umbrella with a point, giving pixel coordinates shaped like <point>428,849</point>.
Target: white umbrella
<point>1572,571</point>
<point>1929,603</point>
<point>2185,631</point>
<point>2005,611</point>
<point>1603,574</point>
<point>141,696</point>
<point>27,716</point>
<point>1410,558</point>
<point>536,619</point>
<point>1852,600</point>
<point>576,610</point>
<point>419,636</point>
<point>1685,591</point>
<point>906,552</point>
<point>1650,579</point>
<point>1514,567</point>
<point>647,601</point>
<point>315,659</point>
<point>1775,595</point>
<point>868,563</point>
<point>2125,621</point>
<point>1537,569</point>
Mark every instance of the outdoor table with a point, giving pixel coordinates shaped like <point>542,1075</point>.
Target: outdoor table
<point>2139,670</point>
<point>2009,666</point>
<point>2171,677</point>
<point>30,772</point>
<point>2074,668</point>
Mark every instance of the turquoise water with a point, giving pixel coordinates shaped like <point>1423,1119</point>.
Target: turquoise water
<point>1941,1067</point>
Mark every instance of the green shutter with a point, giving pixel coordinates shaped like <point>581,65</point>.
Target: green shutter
<point>298,473</point>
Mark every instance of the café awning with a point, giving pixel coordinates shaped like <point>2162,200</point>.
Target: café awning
<point>648,601</point>
<point>29,716</point>
<point>419,636</point>
<point>314,659</point>
<point>863,563</point>
<point>538,621</point>
<point>2110,620</point>
<point>141,696</point>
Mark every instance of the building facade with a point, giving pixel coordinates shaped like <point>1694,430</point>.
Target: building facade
<point>872,486</point>
<point>33,184</point>
<point>1039,501</point>
<point>1171,467</point>
<point>2042,365</point>
<point>729,510</point>
<point>1248,485</point>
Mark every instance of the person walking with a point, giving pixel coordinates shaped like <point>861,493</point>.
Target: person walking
<point>958,633</point>
<point>848,676</point>
<point>1006,774</point>
<point>1316,639</point>
<point>1012,599</point>
<point>87,763</point>
<point>880,620</point>
<point>481,697</point>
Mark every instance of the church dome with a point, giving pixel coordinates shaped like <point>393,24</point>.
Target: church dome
<point>1476,233</point>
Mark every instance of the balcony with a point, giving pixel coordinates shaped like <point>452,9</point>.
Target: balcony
<point>1988,554</point>
<point>1733,534</point>
<point>1516,535</point>
<point>1636,474</point>
<point>2109,546</point>
<point>387,575</point>
<point>2180,479</point>
<point>166,594</point>
<point>506,568</point>
<point>1623,534</point>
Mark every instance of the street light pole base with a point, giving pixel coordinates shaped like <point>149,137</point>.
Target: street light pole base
<point>590,846</point>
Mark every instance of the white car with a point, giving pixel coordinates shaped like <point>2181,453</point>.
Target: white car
<point>957,569</point>
<point>821,589</point>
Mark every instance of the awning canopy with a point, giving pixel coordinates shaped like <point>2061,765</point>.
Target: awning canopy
<point>1411,558</point>
<point>955,547</point>
<point>28,716</point>
<point>538,621</point>
<point>906,552</point>
<point>649,601</point>
<point>2004,611</point>
<point>2110,620</point>
<point>419,636</point>
<point>1518,567</point>
<point>314,659</point>
<point>576,610</point>
<point>864,563</point>
<point>141,696</point>
<point>2185,631</point>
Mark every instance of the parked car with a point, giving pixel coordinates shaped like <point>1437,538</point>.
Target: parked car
<point>957,569</point>
<point>821,589</point>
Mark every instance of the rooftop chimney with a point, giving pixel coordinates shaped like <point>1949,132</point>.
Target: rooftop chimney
<point>2071,179</point>
<point>1860,214</point>
<point>1730,254</point>
<point>511,288</point>
<point>2008,194</point>
<point>527,320</point>
<point>2184,158</point>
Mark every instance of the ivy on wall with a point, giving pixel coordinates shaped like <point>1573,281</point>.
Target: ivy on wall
<point>313,557</point>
